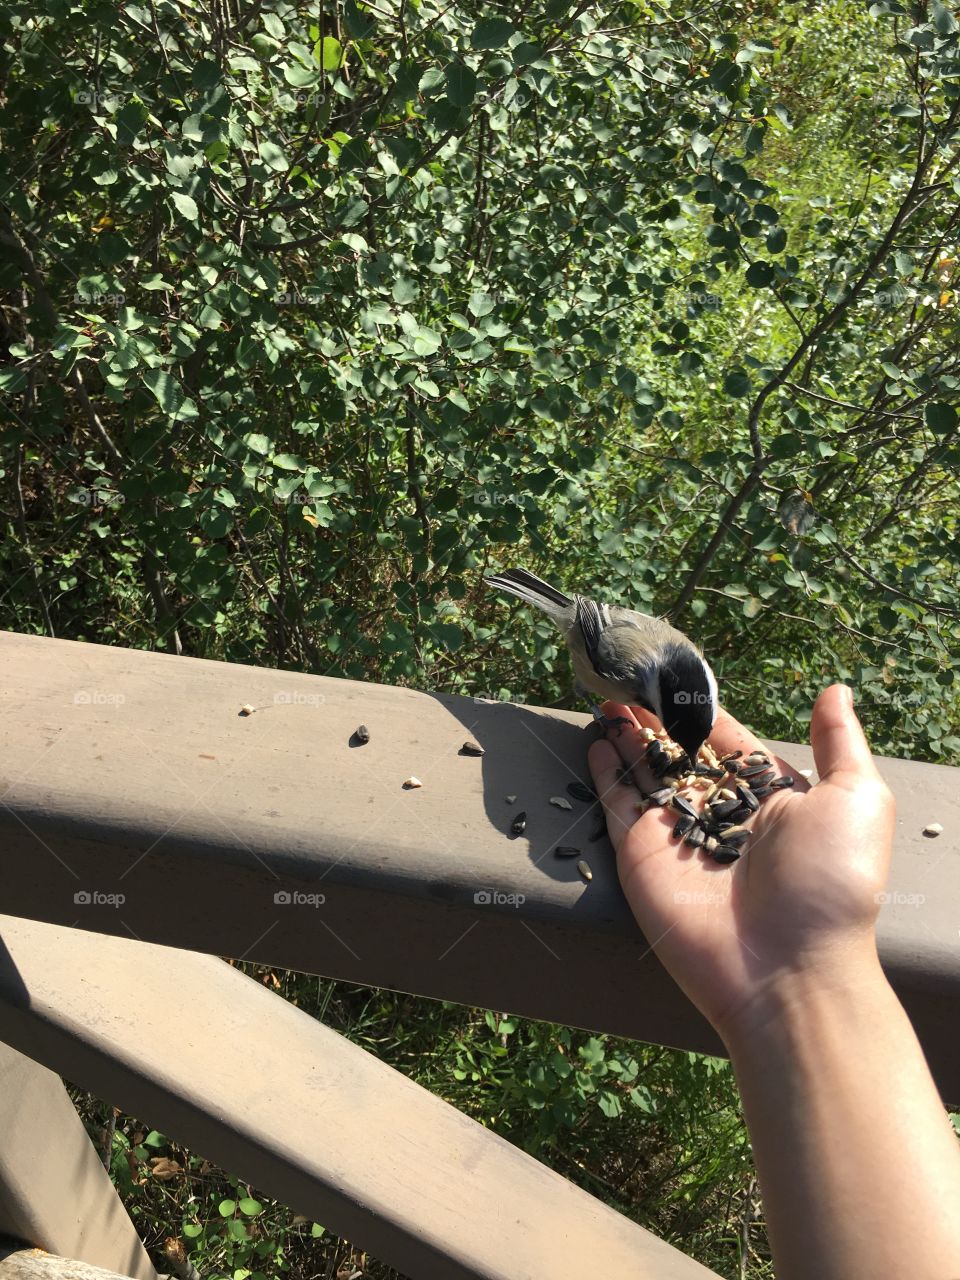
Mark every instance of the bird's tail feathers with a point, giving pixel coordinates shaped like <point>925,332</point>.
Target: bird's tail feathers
<point>531,589</point>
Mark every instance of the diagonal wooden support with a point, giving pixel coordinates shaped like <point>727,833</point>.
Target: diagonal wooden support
<point>54,1191</point>
<point>236,1072</point>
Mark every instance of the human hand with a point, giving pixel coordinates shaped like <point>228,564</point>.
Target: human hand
<point>798,907</point>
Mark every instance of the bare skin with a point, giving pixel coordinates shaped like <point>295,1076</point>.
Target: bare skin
<point>858,1163</point>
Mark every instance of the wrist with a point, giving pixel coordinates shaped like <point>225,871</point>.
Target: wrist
<point>837,985</point>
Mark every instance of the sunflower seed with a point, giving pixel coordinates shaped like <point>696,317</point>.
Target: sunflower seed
<point>757,757</point>
<point>599,831</point>
<point>748,799</point>
<point>412,783</point>
<point>706,771</point>
<point>361,734</point>
<point>471,748</point>
<point>724,854</point>
<point>762,792</point>
<point>727,794</point>
<point>684,824</point>
<point>519,824</point>
<point>724,808</point>
<point>625,776</point>
<point>710,845</point>
<point>933,829</point>
<point>580,791</point>
<point>566,851</point>
<point>731,755</point>
<point>780,783</point>
<point>734,839</point>
<point>584,871</point>
<point>683,805</point>
<point>695,837</point>
<point>246,710</point>
<point>763,780</point>
<point>510,799</point>
<point>754,770</point>
<point>561,802</point>
<point>661,797</point>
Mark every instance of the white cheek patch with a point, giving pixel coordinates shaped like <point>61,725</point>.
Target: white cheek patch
<point>714,692</point>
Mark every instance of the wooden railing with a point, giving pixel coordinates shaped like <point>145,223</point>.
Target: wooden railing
<point>138,806</point>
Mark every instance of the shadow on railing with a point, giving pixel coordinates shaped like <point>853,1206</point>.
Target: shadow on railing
<point>138,803</point>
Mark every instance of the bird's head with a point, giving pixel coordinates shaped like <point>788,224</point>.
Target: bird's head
<point>688,697</point>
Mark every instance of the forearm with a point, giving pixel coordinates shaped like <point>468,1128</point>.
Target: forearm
<point>858,1165</point>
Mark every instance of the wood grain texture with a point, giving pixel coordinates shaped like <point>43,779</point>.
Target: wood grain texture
<point>242,1077</point>
<point>126,772</point>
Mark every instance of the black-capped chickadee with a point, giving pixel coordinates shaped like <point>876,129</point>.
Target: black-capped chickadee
<point>628,657</point>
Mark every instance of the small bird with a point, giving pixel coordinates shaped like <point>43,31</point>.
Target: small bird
<point>628,657</point>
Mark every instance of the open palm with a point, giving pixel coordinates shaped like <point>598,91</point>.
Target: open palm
<point>803,895</point>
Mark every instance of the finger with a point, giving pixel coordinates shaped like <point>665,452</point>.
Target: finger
<point>839,745</point>
<point>621,803</point>
<point>628,741</point>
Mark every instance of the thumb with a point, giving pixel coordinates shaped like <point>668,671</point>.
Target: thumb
<point>839,745</point>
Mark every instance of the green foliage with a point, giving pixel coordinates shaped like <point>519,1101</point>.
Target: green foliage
<point>309,324</point>
<point>309,321</point>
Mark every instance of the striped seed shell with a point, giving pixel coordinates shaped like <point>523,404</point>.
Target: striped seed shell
<point>661,797</point>
<point>762,792</point>
<point>695,837</point>
<point>412,783</point>
<point>748,798</point>
<point>682,805</point>
<point>725,854</point>
<point>580,791</point>
<point>683,824</point>
<point>585,871</point>
<point>779,783</point>
<point>362,734</point>
<point>566,851</point>
<point>471,748</point>
<point>519,824</point>
<point>561,802</point>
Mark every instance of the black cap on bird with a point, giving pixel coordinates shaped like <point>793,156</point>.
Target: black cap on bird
<point>628,657</point>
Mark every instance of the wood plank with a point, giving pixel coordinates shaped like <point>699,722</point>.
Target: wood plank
<point>54,1190</point>
<point>127,772</point>
<point>239,1075</point>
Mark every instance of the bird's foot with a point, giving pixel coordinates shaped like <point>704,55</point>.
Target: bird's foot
<point>607,722</point>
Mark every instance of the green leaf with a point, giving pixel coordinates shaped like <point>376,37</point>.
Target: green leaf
<point>759,274</point>
<point>227,1208</point>
<point>169,393</point>
<point>186,205</point>
<point>274,157</point>
<point>461,84</point>
<point>940,416</point>
<point>250,1207</point>
<point>491,33</point>
<point>330,53</point>
<point>737,383</point>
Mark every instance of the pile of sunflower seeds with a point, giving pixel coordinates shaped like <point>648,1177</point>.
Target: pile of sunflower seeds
<point>733,787</point>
